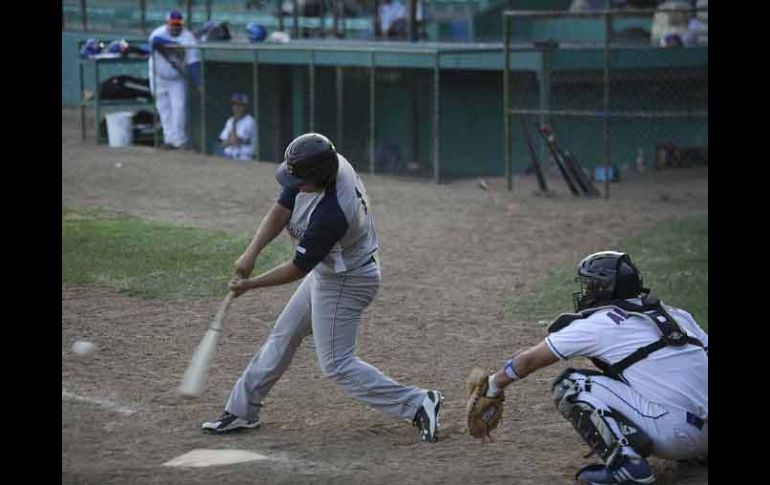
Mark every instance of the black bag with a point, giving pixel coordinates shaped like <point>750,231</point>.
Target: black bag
<point>125,87</point>
<point>213,31</point>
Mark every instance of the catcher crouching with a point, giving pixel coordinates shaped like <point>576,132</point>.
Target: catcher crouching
<point>650,394</point>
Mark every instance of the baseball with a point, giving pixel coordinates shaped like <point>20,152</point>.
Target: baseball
<point>82,347</point>
<point>118,164</point>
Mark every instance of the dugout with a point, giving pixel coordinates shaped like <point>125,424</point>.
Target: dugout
<point>469,107</point>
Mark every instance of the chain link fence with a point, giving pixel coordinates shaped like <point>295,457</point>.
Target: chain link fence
<point>629,97</point>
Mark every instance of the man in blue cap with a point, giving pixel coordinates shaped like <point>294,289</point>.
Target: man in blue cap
<point>239,136</point>
<point>169,67</point>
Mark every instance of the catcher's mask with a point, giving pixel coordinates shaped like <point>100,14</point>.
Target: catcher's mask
<point>606,276</point>
<point>308,158</point>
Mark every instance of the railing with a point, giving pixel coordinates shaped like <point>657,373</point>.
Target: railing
<point>255,50</point>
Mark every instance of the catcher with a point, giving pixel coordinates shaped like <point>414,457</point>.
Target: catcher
<point>650,396</point>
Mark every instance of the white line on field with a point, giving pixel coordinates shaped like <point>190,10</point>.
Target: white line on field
<point>99,402</point>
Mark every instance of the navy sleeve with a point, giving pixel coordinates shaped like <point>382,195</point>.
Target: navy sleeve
<point>327,226</point>
<point>286,198</point>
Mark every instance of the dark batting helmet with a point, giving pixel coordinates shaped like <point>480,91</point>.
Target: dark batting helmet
<point>309,158</point>
<point>606,276</point>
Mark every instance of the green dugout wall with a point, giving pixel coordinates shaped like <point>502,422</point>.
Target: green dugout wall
<point>470,93</point>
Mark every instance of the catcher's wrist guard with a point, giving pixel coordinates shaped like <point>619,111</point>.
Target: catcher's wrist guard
<point>510,371</point>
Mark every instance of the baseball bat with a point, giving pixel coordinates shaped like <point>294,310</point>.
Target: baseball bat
<point>533,157</point>
<point>195,376</point>
<point>547,133</point>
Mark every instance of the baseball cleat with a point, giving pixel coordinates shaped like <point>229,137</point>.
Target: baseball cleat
<point>229,422</point>
<point>427,416</point>
<point>630,471</point>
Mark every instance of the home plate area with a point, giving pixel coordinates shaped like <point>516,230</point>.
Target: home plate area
<point>203,458</point>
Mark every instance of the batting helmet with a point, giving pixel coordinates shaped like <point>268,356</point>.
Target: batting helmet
<point>308,158</point>
<point>606,276</point>
<point>257,32</point>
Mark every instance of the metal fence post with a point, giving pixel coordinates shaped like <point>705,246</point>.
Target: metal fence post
<point>340,107</point>
<point>295,17</point>
<point>545,94</point>
<point>371,113</point>
<point>436,117</point>
<point>203,101</point>
<point>255,94</point>
<point>506,102</point>
<point>143,15</point>
<point>606,105</point>
<point>153,91</point>
<point>311,87</point>
<point>97,101</point>
<point>84,15</point>
<point>82,84</point>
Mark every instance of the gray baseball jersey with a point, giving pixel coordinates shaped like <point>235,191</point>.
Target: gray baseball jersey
<point>336,246</point>
<point>335,228</point>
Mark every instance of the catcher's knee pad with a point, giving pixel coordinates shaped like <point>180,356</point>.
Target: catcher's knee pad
<point>605,430</point>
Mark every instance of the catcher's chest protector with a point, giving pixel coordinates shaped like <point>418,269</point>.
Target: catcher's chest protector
<point>651,309</point>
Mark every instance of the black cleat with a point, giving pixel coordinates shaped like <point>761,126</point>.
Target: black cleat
<point>229,422</point>
<point>427,417</point>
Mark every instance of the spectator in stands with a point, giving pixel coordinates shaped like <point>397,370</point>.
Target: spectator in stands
<point>393,23</point>
<point>239,136</point>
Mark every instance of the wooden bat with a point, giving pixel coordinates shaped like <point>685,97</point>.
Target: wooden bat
<point>195,375</point>
<point>547,133</point>
<point>533,157</point>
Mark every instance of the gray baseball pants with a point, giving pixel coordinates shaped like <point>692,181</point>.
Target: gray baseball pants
<point>330,307</point>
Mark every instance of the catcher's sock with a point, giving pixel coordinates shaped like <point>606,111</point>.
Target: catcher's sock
<point>629,452</point>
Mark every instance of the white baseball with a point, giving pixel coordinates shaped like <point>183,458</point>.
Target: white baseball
<point>82,347</point>
<point>118,165</point>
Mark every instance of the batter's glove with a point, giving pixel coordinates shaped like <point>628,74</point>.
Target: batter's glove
<point>484,413</point>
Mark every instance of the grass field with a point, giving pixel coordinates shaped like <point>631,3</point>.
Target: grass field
<point>151,259</point>
<point>673,259</point>
<point>157,260</point>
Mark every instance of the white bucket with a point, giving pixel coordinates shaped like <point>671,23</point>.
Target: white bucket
<point>120,130</point>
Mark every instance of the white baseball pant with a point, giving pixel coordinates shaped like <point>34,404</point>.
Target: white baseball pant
<point>673,437</point>
<point>171,102</point>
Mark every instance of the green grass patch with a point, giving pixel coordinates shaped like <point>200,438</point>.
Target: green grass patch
<point>673,259</point>
<point>152,259</point>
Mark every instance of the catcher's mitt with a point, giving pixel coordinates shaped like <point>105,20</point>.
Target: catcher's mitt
<point>483,413</point>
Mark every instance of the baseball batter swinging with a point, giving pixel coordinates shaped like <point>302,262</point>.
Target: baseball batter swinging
<point>651,396</point>
<point>324,207</point>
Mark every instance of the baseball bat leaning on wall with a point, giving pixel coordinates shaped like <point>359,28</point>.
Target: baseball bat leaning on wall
<point>195,375</point>
<point>533,157</point>
<point>547,133</point>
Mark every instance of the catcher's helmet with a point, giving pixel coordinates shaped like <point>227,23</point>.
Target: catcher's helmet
<point>308,158</point>
<point>605,276</point>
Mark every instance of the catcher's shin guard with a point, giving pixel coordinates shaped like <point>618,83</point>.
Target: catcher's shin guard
<point>604,430</point>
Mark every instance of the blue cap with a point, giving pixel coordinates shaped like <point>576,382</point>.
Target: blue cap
<point>240,98</point>
<point>175,17</point>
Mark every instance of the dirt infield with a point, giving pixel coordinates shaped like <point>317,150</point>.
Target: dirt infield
<point>452,255</point>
